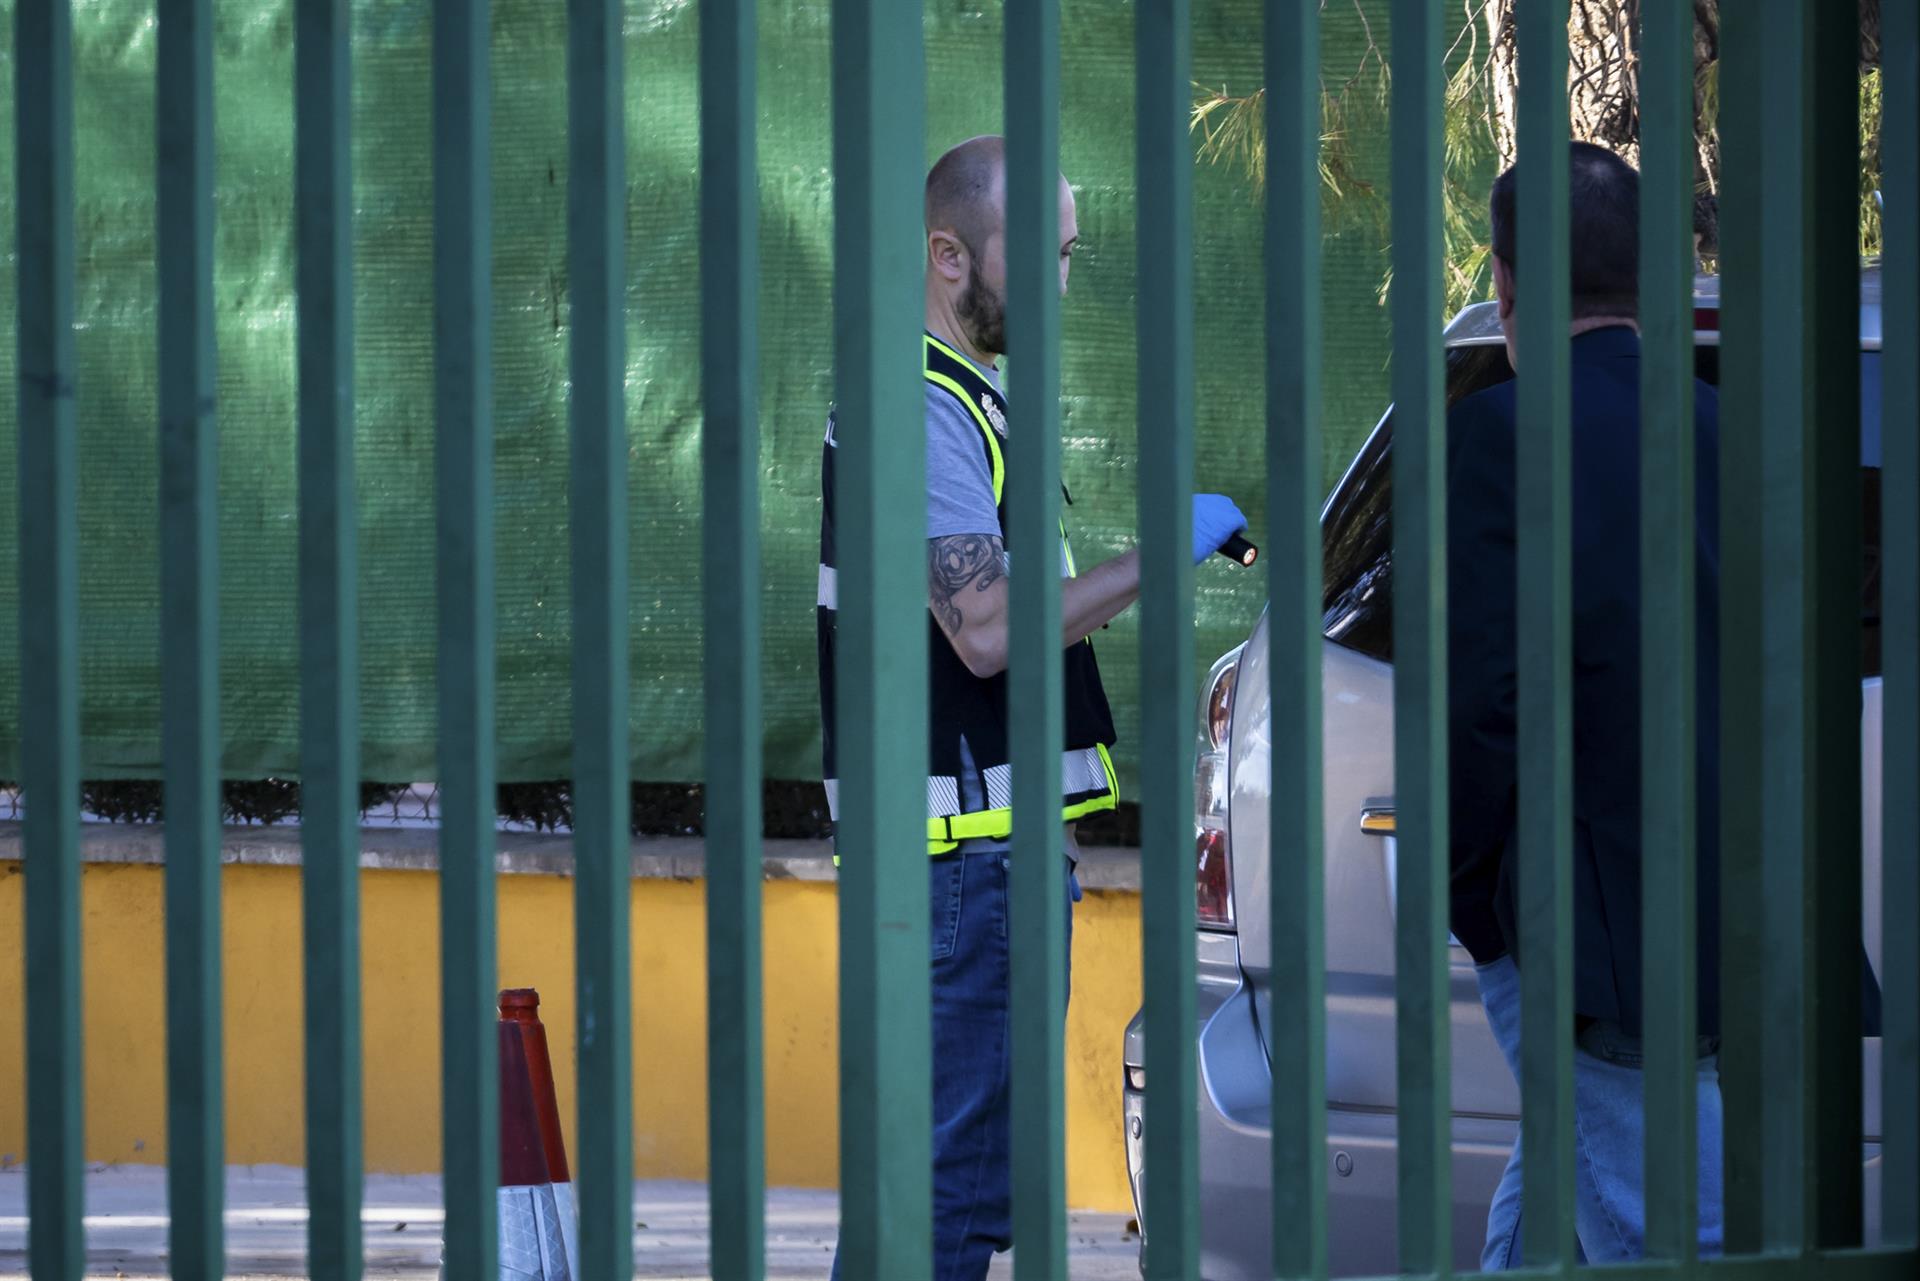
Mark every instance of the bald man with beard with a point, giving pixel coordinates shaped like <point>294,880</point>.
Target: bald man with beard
<point>969,782</point>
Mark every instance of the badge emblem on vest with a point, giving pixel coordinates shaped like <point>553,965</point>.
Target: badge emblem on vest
<point>994,416</point>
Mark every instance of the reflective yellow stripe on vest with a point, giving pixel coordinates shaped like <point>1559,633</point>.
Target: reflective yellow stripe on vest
<point>945,834</point>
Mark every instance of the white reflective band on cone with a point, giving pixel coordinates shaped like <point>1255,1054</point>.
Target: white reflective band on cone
<point>539,1234</point>
<point>569,1212</point>
<point>534,1235</point>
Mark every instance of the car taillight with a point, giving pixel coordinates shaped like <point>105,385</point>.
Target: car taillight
<point>1212,791</point>
<point>1213,881</point>
<point>1220,710</point>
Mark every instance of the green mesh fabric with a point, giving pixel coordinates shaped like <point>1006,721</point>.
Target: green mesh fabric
<point>256,332</point>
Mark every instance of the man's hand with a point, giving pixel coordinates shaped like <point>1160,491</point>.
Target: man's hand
<point>1215,520</point>
<point>967,592</point>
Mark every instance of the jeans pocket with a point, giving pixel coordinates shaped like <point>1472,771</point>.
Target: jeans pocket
<point>1604,1040</point>
<point>944,877</point>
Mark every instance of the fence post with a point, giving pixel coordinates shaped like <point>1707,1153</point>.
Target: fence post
<point>329,637</point>
<point>49,633</point>
<point>603,881</point>
<point>1745,296</point>
<point>1809,545</point>
<point>190,636</point>
<point>1544,581</point>
<point>730,443</point>
<point>1668,656</point>
<point>463,395</point>
<point>1163,43</point>
<point>1900,626</point>
<point>1297,885</point>
<point>1830,472</point>
<point>879,149</point>
<point>1420,644</point>
<point>1036,718</point>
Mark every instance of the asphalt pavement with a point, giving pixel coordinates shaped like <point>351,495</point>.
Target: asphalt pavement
<point>266,1227</point>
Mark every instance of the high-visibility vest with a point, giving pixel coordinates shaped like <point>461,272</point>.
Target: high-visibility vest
<point>962,706</point>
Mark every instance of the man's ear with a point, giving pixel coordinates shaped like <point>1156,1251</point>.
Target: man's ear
<point>1504,289</point>
<point>948,255</point>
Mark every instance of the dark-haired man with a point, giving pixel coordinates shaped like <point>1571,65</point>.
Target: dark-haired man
<point>1609,1197</point>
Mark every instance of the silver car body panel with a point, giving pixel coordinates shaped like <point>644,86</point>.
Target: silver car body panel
<point>1357,719</point>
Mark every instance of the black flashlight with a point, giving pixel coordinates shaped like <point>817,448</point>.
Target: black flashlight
<point>1239,551</point>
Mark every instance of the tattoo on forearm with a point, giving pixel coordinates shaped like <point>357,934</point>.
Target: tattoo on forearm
<point>956,562</point>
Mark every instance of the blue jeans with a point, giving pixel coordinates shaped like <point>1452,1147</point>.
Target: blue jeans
<point>972,1171</point>
<point>1609,1197</point>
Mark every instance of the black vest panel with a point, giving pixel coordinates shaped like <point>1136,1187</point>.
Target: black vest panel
<point>962,705</point>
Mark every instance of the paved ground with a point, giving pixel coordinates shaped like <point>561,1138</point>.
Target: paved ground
<point>266,1228</point>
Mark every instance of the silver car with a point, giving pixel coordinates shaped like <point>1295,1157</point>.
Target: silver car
<point>1234,934</point>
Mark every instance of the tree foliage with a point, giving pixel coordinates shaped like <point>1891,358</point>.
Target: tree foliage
<point>1479,127</point>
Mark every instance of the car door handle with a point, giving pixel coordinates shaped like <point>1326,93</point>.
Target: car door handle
<point>1377,820</point>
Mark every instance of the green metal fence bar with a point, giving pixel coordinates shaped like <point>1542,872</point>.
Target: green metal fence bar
<point>1829,1265</point>
<point>189,637</point>
<point>1783,798</point>
<point>1544,585</point>
<point>730,444</point>
<point>1820,1265</point>
<point>1667,648</point>
<point>1297,886</point>
<point>329,638</point>
<point>1420,645</point>
<point>1843,1265</point>
<point>1831,471</point>
<point>1810,544</point>
<point>1163,49</point>
<point>602,904</point>
<point>1743,300</point>
<point>1036,719</point>
<point>463,377</point>
<point>49,632</point>
<point>879,147</point>
<point>1900,627</point>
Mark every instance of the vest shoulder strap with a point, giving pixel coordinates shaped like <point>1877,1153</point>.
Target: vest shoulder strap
<point>948,370</point>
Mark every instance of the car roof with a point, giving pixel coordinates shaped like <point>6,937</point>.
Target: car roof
<point>1478,325</point>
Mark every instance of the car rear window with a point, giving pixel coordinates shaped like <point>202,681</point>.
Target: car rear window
<point>1356,530</point>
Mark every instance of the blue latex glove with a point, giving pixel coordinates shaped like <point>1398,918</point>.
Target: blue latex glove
<point>1215,520</point>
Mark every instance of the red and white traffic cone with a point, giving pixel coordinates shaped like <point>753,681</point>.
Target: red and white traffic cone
<point>539,1229</point>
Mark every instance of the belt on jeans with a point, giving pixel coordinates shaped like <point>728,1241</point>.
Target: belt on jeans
<point>1603,1038</point>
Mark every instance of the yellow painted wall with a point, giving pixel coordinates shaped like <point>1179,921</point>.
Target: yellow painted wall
<point>125,1048</point>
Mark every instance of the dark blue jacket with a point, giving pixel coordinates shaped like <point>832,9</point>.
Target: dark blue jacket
<point>1605,464</point>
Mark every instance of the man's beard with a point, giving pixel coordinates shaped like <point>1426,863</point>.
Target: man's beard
<point>984,314</point>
